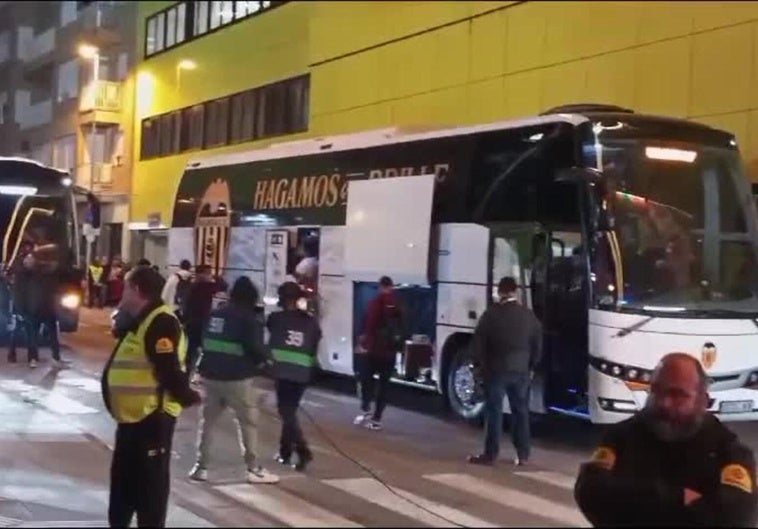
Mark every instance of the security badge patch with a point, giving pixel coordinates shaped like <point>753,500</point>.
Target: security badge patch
<point>737,476</point>
<point>164,345</point>
<point>604,457</point>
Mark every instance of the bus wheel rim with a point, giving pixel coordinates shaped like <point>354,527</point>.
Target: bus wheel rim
<point>465,385</point>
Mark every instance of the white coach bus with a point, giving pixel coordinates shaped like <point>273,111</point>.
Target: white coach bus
<point>631,236</point>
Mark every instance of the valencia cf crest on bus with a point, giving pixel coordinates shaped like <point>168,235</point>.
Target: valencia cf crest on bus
<point>708,355</point>
<point>213,226</point>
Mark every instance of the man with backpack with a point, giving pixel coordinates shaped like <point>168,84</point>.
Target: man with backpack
<point>177,287</point>
<point>382,338</point>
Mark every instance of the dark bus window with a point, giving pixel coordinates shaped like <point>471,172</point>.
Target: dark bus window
<point>529,192</point>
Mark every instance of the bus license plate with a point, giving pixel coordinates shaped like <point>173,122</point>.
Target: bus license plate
<point>736,406</point>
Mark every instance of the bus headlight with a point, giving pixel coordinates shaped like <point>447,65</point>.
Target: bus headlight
<point>71,301</point>
<point>634,377</point>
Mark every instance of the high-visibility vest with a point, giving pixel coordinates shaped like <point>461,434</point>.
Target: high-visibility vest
<point>132,386</point>
<point>96,272</point>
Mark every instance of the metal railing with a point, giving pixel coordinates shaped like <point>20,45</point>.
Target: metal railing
<point>101,95</point>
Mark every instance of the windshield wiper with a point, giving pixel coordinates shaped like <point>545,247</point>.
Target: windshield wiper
<point>635,326</point>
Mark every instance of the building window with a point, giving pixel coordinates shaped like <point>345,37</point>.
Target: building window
<point>68,80</point>
<point>193,121</point>
<point>271,110</point>
<point>200,18</point>
<point>150,40</point>
<point>217,122</point>
<point>184,21</point>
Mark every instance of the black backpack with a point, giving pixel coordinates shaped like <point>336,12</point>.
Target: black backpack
<point>390,332</point>
<point>182,289</point>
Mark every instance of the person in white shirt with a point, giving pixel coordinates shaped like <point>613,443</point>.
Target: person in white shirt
<point>177,286</point>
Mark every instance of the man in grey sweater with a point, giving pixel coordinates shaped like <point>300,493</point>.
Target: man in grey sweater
<point>507,346</point>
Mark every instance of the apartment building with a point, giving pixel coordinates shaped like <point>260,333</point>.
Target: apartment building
<point>65,97</point>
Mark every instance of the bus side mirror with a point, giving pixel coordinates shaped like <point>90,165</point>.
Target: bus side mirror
<point>579,175</point>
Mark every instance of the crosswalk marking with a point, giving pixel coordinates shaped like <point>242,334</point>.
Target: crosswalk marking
<point>429,512</point>
<point>284,507</point>
<point>551,478</point>
<point>87,523</point>
<point>514,499</point>
<point>85,384</point>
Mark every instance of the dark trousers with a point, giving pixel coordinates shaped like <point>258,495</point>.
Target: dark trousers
<point>516,386</point>
<point>194,342</point>
<point>30,325</point>
<point>140,472</point>
<point>288,396</point>
<point>383,367</point>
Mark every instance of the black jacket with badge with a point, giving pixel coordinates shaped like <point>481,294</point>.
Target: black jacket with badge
<point>294,337</point>
<point>635,479</point>
<point>232,344</point>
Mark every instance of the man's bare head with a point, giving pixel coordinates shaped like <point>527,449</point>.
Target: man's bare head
<point>678,397</point>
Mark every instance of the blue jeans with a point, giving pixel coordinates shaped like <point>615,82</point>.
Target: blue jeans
<point>516,386</point>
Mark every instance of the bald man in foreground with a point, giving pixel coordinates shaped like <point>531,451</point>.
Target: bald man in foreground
<point>672,464</point>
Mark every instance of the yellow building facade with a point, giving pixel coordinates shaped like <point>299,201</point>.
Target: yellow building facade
<point>375,64</point>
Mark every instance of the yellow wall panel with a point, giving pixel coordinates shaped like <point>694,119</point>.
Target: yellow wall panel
<point>523,94</point>
<point>410,66</point>
<point>662,77</point>
<point>450,66</point>
<point>612,26</point>
<point>567,30</point>
<point>488,41</point>
<point>663,20</point>
<point>749,147</point>
<point>721,74</point>
<point>482,7</point>
<point>610,79</point>
<point>369,117</point>
<point>525,40</point>
<point>709,15</point>
<point>442,107</point>
<point>563,84</point>
<point>736,123</point>
<point>486,101</point>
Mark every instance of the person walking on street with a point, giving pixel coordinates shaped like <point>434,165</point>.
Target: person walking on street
<point>233,353</point>
<point>383,338</point>
<point>144,389</point>
<point>197,309</point>
<point>672,464</point>
<point>177,287</point>
<point>294,338</point>
<point>507,347</point>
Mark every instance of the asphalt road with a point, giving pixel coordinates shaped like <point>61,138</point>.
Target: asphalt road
<point>56,441</point>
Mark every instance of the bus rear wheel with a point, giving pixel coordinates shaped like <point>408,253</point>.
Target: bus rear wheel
<point>461,387</point>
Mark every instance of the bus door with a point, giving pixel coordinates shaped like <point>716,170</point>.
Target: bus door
<point>513,252</point>
<point>561,262</point>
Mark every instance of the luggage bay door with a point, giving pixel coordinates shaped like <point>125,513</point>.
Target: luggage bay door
<point>388,229</point>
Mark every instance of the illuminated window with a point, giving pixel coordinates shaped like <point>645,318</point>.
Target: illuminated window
<point>200,25</point>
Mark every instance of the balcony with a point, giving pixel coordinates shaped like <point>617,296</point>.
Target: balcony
<point>101,102</point>
<point>100,24</point>
<point>100,175</point>
<point>30,115</point>
<point>35,49</point>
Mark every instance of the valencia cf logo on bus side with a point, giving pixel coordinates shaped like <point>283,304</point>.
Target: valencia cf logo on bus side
<point>708,355</point>
<point>213,226</point>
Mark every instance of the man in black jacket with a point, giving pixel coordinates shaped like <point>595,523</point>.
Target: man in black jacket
<point>197,308</point>
<point>507,346</point>
<point>294,345</point>
<point>233,353</point>
<point>672,464</point>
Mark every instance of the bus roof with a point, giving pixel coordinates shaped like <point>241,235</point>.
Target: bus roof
<point>371,138</point>
<point>29,161</point>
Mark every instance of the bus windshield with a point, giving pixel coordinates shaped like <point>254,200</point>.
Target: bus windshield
<point>681,225</point>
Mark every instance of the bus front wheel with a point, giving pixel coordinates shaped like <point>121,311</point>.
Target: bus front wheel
<point>461,387</point>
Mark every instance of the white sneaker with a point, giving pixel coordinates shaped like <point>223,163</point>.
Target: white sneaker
<point>33,364</point>
<point>260,475</point>
<point>373,425</point>
<point>61,364</point>
<point>198,473</point>
<point>361,418</point>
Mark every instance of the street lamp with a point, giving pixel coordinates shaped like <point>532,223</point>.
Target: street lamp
<point>91,53</point>
<point>184,64</point>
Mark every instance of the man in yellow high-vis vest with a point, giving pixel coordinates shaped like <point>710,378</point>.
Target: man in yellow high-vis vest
<point>145,387</point>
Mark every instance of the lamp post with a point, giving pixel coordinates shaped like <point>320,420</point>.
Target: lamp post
<point>90,52</point>
<point>184,64</point>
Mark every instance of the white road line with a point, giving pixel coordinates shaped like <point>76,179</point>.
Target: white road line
<point>88,523</point>
<point>86,384</point>
<point>511,498</point>
<point>376,493</point>
<point>283,506</point>
<point>556,479</point>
